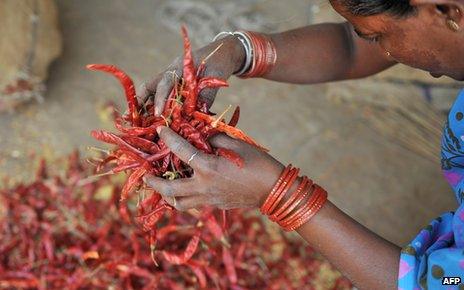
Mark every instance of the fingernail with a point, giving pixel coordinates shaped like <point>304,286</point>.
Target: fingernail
<point>158,130</point>
<point>157,111</point>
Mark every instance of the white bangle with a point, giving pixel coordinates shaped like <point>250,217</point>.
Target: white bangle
<point>222,34</point>
<point>248,49</point>
<point>246,43</point>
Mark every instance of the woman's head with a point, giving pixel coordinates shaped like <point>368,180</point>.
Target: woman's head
<point>399,8</point>
<point>426,34</point>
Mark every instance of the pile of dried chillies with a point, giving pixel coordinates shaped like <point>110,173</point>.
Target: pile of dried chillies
<point>59,233</point>
<point>139,150</point>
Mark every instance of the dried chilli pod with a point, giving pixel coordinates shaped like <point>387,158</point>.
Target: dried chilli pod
<point>165,164</point>
<point>229,265</point>
<point>114,139</point>
<point>134,180</point>
<point>213,226</point>
<point>142,144</point>
<point>231,156</point>
<point>135,247</point>
<point>173,228</point>
<point>189,76</point>
<point>199,273</point>
<point>138,131</point>
<point>128,86</point>
<point>104,162</point>
<point>224,219</point>
<point>192,135</point>
<point>179,259</point>
<point>160,155</point>
<point>229,130</point>
<point>235,117</point>
<point>149,220</point>
<point>177,165</point>
<point>211,82</point>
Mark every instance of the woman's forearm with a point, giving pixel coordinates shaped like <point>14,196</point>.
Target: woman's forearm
<point>323,53</point>
<point>368,260</point>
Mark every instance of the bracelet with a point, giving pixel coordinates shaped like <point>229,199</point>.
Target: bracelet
<point>295,199</point>
<point>318,204</point>
<point>264,55</point>
<point>288,182</point>
<point>260,53</point>
<point>271,197</point>
<point>301,205</point>
<point>246,43</point>
<point>301,211</point>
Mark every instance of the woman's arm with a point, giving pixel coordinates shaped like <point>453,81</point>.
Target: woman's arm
<point>312,54</point>
<point>325,52</point>
<point>368,260</point>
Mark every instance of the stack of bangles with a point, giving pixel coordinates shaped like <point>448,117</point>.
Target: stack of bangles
<point>300,205</point>
<point>260,53</point>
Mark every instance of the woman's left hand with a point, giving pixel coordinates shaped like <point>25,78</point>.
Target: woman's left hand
<point>217,181</point>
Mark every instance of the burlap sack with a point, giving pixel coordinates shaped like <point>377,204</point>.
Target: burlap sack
<point>30,41</point>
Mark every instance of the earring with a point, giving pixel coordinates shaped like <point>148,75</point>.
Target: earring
<point>452,25</point>
<point>388,53</point>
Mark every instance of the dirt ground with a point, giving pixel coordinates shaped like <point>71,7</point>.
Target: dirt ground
<point>389,189</point>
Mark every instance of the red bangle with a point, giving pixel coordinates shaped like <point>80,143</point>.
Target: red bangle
<point>300,211</point>
<point>319,203</point>
<point>301,205</point>
<point>264,55</point>
<point>267,203</point>
<point>311,208</point>
<point>293,201</point>
<point>286,185</point>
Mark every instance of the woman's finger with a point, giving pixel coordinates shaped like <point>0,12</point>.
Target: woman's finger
<point>208,95</point>
<point>182,148</point>
<point>186,203</point>
<point>168,78</point>
<point>171,188</point>
<point>224,141</point>
<point>147,89</point>
<point>162,91</point>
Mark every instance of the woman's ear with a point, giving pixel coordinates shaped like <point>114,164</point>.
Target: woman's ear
<point>450,10</point>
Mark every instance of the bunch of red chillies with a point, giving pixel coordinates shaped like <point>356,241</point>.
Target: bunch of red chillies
<point>59,233</point>
<point>139,150</point>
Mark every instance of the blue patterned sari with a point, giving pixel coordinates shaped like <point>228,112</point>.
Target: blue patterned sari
<point>438,251</point>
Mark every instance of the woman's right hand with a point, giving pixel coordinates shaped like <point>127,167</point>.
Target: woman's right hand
<point>228,59</point>
<point>217,181</point>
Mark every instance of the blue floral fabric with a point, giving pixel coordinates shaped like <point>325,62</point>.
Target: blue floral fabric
<point>438,251</point>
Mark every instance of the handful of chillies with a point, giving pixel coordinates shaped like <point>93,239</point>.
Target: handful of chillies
<point>138,150</point>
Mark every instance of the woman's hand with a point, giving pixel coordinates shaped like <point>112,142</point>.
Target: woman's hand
<point>221,63</point>
<point>217,181</point>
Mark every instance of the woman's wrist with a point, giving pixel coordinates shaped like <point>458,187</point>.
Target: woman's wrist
<point>236,49</point>
<point>255,53</point>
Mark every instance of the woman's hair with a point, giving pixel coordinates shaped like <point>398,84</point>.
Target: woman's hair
<point>400,8</point>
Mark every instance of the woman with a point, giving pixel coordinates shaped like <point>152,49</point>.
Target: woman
<point>425,34</point>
